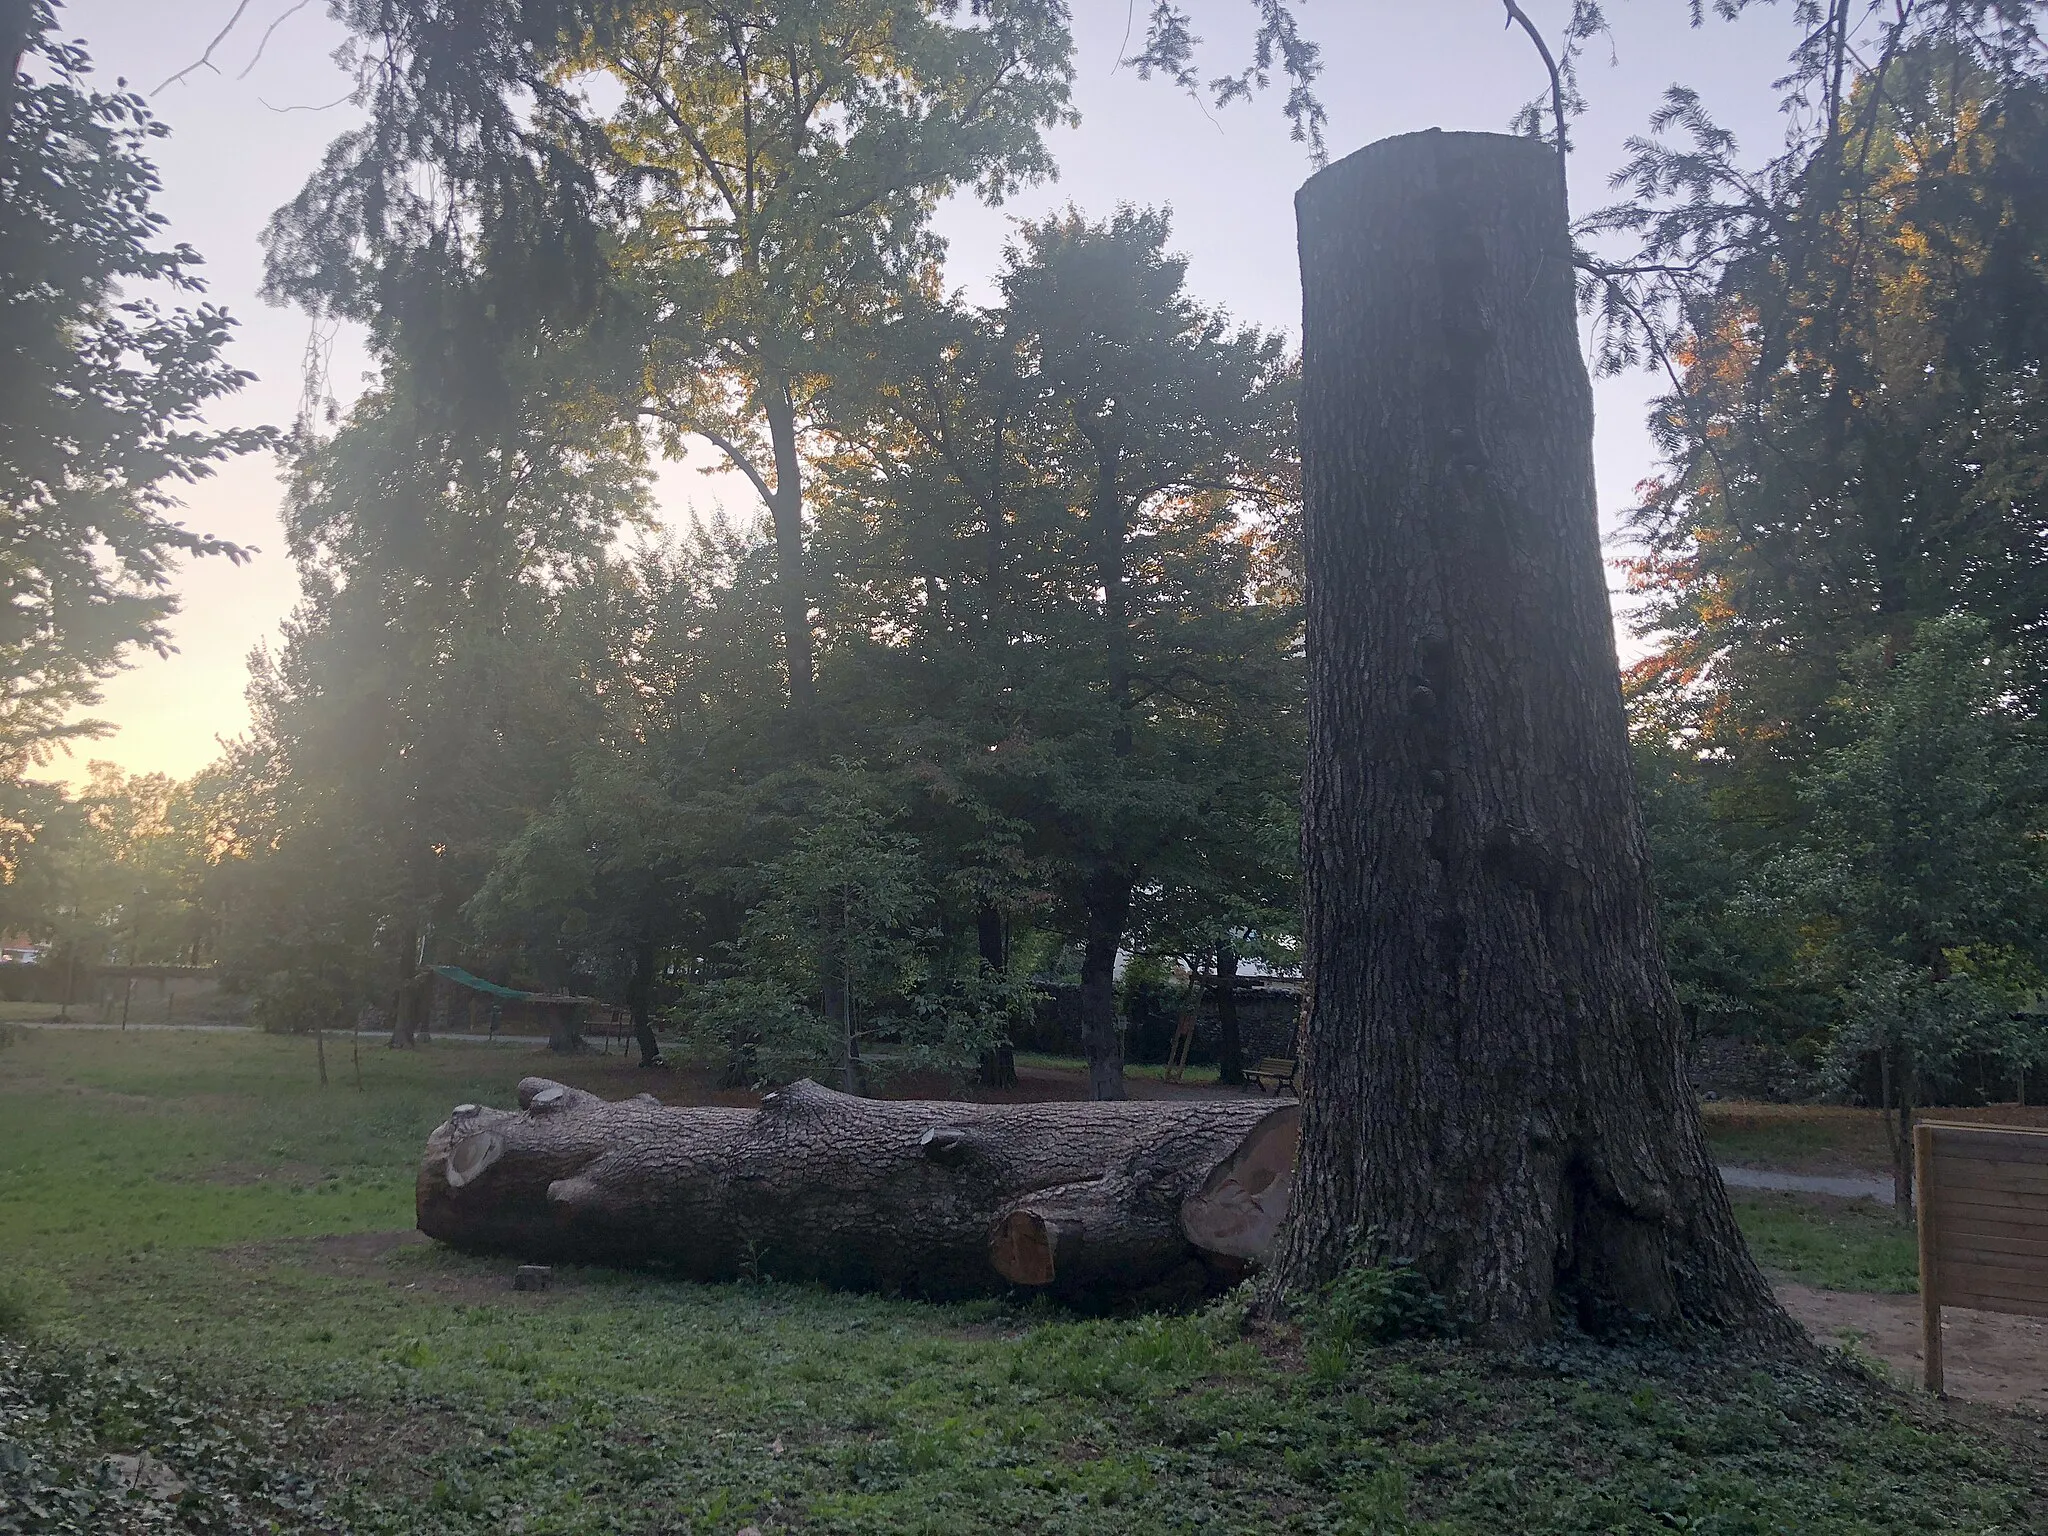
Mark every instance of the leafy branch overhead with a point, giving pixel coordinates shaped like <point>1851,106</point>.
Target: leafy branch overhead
<point>1278,43</point>
<point>105,398</point>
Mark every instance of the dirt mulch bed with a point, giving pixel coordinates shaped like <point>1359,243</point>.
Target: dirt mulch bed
<point>401,1260</point>
<point>1987,1357</point>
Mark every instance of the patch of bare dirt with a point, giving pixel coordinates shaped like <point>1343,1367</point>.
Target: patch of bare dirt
<point>406,1261</point>
<point>352,1254</point>
<point>355,1253</point>
<point>1987,1357</point>
<point>383,1449</point>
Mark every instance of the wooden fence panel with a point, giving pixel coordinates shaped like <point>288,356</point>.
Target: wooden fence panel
<point>1983,1225</point>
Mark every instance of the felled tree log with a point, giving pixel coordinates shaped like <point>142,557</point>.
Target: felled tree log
<point>930,1198</point>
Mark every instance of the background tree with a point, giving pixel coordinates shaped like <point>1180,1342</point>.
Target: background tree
<point>1171,426</point>
<point>37,825</point>
<point>1077,641</point>
<point>936,502</point>
<point>421,705</point>
<point>629,876</point>
<point>103,392</point>
<point>764,174</point>
<point>1730,936</point>
<point>842,949</point>
<point>1851,331</point>
<point>1855,333</point>
<point>1233,897</point>
<point>1923,865</point>
<point>723,238</point>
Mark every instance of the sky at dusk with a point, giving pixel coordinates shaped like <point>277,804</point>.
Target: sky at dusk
<point>246,132</point>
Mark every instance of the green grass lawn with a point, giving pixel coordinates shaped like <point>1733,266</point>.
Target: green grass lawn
<point>198,1262</point>
<point>1195,1076</point>
<point>1819,1138</point>
<point>1829,1138</point>
<point>1838,1245</point>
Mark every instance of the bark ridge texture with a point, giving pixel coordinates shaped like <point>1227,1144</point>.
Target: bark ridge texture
<point>1494,1085</point>
<point>931,1198</point>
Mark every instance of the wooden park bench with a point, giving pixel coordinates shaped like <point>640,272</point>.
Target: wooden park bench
<point>1277,1070</point>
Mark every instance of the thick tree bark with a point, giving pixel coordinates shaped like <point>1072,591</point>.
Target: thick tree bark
<point>1229,1047</point>
<point>1494,1084</point>
<point>936,1199</point>
<point>1107,900</point>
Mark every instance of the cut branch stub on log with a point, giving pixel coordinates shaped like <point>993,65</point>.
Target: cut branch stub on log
<point>935,1198</point>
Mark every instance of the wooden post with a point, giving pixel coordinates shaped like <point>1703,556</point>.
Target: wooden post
<point>1183,1041</point>
<point>1930,1275</point>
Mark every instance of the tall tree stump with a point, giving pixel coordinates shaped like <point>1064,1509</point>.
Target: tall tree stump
<point>1495,1088</point>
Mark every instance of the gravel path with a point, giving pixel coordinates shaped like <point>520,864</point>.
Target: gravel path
<point>1865,1188</point>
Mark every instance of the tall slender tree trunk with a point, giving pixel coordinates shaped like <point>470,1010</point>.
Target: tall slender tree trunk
<point>1106,896</point>
<point>992,519</point>
<point>1108,903</point>
<point>641,1000</point>
<point>852,1072</point>
<point>1229,1048</point>
<point>405,1003</point>
<point>999,1062</point>
<point>1107,512</point>
<point>1495,1090</point>
<point>1897,1096</point>
<point>792,588</point>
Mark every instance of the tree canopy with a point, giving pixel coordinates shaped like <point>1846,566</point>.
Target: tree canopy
<point>1017,612</point>
<point>104,391</point>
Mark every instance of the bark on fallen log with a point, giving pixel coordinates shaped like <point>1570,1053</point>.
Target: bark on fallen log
<point>939,1199</point>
